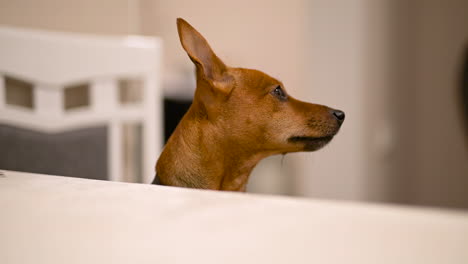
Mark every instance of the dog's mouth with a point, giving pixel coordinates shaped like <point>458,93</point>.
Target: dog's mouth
<point>310,143</point>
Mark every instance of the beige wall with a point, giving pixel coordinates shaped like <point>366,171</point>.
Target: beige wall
<point>394,67</point>
<point>336,60</point>
<point>103,16</point>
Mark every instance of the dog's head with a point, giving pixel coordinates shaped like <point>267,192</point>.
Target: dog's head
<point>252,109</point>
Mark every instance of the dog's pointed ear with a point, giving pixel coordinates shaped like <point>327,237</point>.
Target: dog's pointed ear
<point>200,51</point>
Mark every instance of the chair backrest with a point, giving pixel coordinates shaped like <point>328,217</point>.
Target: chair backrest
<point>54,82</point>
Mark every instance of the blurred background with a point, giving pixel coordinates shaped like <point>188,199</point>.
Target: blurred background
<point>397,68</point>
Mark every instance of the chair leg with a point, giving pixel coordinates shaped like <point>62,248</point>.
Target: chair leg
<point>114,147</point>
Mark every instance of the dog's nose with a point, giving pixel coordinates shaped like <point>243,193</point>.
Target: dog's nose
<point>339,115</point>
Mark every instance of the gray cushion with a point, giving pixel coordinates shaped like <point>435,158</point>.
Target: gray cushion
<point>78,153</point>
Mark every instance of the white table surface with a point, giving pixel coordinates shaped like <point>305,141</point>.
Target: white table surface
<point>50,219</point>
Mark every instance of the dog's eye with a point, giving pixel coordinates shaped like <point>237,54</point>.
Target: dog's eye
<point>278,92</point>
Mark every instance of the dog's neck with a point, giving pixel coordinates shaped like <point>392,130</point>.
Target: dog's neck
<point>198,155</point>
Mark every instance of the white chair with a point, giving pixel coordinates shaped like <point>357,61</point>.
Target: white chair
<point>60,65</point>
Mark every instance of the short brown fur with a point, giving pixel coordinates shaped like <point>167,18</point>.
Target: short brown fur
<point>238,117</point>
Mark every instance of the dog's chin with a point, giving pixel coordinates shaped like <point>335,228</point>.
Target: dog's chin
<point>310,143</point>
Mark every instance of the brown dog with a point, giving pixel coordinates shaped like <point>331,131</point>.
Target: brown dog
<point>238,117</point>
